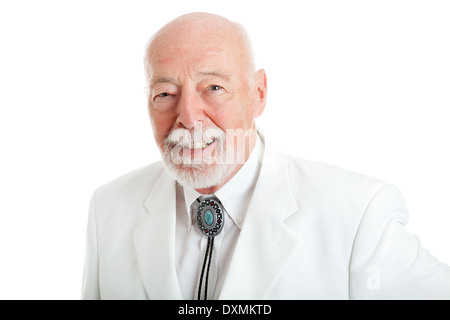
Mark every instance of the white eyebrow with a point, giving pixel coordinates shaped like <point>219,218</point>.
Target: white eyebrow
<point>162,80</point>
<point>200,74</point>
<point>214,74</point>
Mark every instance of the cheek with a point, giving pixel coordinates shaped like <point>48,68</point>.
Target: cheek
<point>242,115</point>
<point>246,107</point>
<point>232,117</point>
<point>161,125</point>
<point>234,113</point>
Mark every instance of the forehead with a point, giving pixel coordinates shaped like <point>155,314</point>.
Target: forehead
<point>180,52</point>
<point>193,60</point>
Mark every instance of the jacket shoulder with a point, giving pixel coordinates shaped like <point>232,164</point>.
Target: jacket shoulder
<point>330,178</point>
<point>335,194</point>
<point>135,184</point>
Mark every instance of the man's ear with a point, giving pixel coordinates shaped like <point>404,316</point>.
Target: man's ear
<point>261,87</point>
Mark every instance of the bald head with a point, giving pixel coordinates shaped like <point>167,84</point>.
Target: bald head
<point>201,77</point>
<point>198,31</point>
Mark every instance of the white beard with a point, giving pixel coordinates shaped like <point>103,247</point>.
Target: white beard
<point>198,173</point>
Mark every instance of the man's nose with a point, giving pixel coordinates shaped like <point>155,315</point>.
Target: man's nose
<point>189,109</point>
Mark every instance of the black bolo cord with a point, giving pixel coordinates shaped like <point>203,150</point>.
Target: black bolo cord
<point>208,256</point>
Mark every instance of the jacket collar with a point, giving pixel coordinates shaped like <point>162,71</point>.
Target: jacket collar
<point>154,241</point>
<point>265,244</point>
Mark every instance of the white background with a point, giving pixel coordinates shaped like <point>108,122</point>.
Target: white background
<point>363,85</point>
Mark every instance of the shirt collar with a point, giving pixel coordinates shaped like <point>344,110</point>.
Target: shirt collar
<point>190,195</point>
<point>236,193</point>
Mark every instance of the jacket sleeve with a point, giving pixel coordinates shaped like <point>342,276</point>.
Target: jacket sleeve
<point>90,286</point>
<point>389,263</point>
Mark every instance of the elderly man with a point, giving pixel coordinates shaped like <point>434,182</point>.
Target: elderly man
<point>225,215</point>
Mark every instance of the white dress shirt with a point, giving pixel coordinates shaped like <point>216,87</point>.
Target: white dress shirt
<point>191,244</point>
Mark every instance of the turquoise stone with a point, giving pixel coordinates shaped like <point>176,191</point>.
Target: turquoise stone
<point>209,217</point>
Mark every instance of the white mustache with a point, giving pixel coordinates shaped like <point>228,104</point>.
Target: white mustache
<point>197,139</point>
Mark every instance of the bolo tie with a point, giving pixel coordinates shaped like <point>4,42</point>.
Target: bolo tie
<point>210,220</point>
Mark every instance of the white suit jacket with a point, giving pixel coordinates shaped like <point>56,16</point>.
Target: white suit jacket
<point>312,231</point>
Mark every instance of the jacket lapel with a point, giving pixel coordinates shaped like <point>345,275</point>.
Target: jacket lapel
<point>266,243</point>
<point>154,241</point>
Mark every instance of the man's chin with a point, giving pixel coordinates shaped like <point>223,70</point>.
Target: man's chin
<point>198,176</point>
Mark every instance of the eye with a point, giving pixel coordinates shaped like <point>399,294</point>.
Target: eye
<point>215,88</point>
<point>162,97</point>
